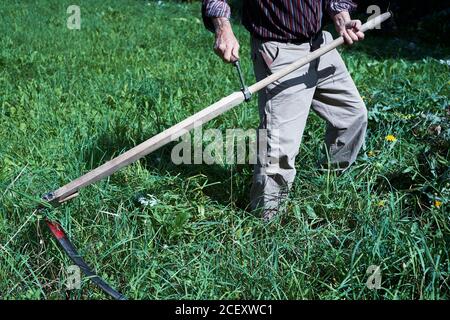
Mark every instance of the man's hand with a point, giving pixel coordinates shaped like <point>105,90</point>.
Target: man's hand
<point>226,45</point>
<point>348,28</point>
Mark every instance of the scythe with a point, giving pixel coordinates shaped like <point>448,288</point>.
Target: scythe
<point>70,190</point>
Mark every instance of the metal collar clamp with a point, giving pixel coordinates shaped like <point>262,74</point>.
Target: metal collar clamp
<point>244,88</point>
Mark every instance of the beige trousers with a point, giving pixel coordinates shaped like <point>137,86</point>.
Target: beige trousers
<point>327,87</point>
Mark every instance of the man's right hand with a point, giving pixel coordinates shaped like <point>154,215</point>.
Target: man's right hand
<point>226,45</point>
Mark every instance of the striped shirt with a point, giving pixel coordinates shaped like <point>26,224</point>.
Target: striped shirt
<point>278,19</point>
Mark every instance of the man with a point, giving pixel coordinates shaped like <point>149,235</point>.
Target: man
<point>282,31</point>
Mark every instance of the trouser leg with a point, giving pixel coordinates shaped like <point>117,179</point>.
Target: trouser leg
<point>283,107</point>
<point>338,101</point>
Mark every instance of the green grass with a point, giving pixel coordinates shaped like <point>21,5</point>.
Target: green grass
<point>71,100</point>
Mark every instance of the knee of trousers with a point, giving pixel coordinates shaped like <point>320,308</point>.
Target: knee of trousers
<point>363,111</point>
<point>361,114</point>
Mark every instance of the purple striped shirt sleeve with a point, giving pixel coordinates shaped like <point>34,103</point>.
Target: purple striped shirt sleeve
<point>214,9</point>
<point>334,7</point>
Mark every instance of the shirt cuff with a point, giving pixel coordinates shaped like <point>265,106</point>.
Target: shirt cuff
<point>214,9</point>
<point>338,6</point>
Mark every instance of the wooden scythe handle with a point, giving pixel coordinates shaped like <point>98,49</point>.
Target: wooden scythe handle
<point>70,190</point>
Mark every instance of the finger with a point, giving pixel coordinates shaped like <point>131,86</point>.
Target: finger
<point>219,49</point>
<point>360,35</point>
<point>357,25</point>
<point>354,24</point>
<point>227,54</point>
<point>352,35</point>
<point>235,53</point>
<point>347,38</point>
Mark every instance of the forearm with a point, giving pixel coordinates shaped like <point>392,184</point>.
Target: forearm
<point>221,24</point>
<point>215,13</point>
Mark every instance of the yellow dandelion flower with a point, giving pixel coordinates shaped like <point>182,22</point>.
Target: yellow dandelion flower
<point>437,203</point>
<point>381,203</point>
<point>390,138</point>
<point>371,153</point>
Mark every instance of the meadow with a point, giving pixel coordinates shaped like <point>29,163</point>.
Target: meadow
<point>72,99</point>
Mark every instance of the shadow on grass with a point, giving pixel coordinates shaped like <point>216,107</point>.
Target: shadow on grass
<point>226,184</point>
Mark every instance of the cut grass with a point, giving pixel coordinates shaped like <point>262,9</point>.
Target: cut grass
<point>74,99</point>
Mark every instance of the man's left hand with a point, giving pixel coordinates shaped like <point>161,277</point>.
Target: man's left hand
<point>348,28</point>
